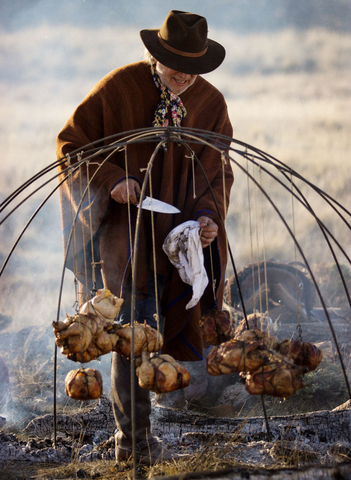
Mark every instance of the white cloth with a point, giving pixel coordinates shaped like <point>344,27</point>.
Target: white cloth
<point>184,250</point>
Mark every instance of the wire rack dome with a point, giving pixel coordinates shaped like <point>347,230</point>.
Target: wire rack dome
<point>275,195</point>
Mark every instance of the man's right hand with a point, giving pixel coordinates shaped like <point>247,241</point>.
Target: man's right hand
<point>120,191</point>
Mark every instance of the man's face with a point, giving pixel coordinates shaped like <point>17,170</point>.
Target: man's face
<point>176,82</point>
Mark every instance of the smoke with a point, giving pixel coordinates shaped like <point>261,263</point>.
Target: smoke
<point>285,79</point>
<point>49,66</point>
<point>51,62</point>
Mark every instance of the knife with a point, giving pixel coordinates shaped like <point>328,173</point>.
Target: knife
<point>157,205</point>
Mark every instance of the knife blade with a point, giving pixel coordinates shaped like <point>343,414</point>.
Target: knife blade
<point>157,205</point>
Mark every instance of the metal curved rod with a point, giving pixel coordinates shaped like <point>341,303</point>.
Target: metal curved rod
<point>25,185</point>
<point>127,135</point>
<point>27,225</point>
<point>234,268</point>
<point>49,168</point>
<point>302,255</point>
<point>34,191</point>
<point>212,140</point>
<point>59,162</point>
<point>61,286</point>
<point>270,159</point>
<point>64,267</point>
<point>325,231</point>
<point>201,134</point>
<point>1,272</point>
<point>134,271</point>
<point>323,228</point>
<point>308,268</point>
<point>221,219</point>
<point>302,200</point>
<point>326,197</point>
<point>283,167</point>
<point>27,198</point>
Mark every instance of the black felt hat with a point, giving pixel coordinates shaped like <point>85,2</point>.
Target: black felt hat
<point>182,44</point>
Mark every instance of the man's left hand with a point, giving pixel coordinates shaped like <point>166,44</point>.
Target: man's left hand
<point>208,232</point>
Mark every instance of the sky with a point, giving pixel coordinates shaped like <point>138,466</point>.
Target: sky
<point>239,15</point>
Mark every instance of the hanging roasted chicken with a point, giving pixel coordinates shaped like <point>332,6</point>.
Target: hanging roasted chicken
<point>104,304</point>
<point>255,321</point>
<point>84,384</point>
<point>83,338</point>
<point>268,367</point>
<point>92,332</point>
<point>87,335</point>
<point>262,338</point>
<point>161,373</point>
<point>146,339</point>
<point>76,333</point>
<point>236,356</point>
<point>279,378</point>
<point>216,327</point>
<point>301,353</point>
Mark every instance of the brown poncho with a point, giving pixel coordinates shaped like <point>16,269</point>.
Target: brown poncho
<point>126,100</point>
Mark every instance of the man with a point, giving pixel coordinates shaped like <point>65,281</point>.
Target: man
<point>167,90</point>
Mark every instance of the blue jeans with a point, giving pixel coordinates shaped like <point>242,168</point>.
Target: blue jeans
<point>145,308</point>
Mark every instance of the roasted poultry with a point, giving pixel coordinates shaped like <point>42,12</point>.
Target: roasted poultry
<point>236,356</point>
<point>161,374</point>
<point>104,304</point>
<point>92,333</point>
<point>102,344</point>
<point>301,353</point>
<point>83,384</point>
<point>269,367</point>
<point>216,327</point>
<point>264,340</point>
<point>279,378</point>
<point>83,338</point>
<point>76,333</point>
<point>87,335</point>
<point>146,339</point>
<point>258,321</point>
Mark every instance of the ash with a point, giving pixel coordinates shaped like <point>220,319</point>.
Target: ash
<point>318,438</point>
<point>213,414</point>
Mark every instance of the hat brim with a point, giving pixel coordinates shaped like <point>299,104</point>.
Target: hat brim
<point>208,62</point>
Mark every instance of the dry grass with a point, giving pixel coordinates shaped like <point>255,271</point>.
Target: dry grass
<point>94,470</point>
<point>212,458</point>
<point>286,454</point>
<point>288,94</point>
<point>207,452</point>
<point>325,389</point>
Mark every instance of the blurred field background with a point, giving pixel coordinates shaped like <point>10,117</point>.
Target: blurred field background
<point>286,79</point>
